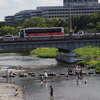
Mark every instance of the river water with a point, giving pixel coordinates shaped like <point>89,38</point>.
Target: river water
<point>63,89</point>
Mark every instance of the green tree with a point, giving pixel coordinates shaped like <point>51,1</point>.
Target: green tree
<point>6,30</point>
<point>90,25</point>
<point>93,17</point>
<point>97,26</point>
<point>34,22</point>
<point>16,31</point>
<point>87,22</point>
<point>2,24</point>
<point>56,22</point>
<point>17,23</point>
<point>76,23</point>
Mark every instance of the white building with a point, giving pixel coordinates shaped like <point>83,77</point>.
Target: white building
<point>77,7</point>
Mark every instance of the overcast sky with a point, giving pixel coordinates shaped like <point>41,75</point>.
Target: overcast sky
<point>10,7</point>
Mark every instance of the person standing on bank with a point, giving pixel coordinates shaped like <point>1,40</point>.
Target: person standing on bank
<point>51,93</point>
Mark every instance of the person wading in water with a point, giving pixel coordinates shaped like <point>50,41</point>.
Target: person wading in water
<point>51,93</point>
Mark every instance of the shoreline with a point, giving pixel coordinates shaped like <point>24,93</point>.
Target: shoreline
<point>7,92</point>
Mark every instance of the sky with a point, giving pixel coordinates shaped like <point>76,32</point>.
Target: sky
<point>10,7</point>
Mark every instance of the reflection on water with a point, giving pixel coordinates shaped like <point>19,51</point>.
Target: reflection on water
<point>13,59</point>
<point>63,89</point>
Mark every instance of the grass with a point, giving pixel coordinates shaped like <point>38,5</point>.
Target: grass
<point>97,69</point>
<point>45,52</point>
<point>88,52</point>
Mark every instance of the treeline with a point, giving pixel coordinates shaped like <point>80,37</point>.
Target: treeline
<point>89,23</point>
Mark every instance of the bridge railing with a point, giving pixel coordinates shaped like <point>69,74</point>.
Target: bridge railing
<point>56,37</point>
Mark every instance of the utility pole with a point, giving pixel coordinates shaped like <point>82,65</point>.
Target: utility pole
<point>69,21</point>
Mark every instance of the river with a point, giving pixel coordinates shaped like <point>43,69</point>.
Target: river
<point>63,89</point>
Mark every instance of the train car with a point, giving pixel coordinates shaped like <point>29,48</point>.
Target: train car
<point>31,32</point>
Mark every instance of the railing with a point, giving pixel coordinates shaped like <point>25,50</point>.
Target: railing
<point>53,38</point>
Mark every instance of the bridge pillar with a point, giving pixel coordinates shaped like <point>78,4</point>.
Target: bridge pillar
<point>66,57</point>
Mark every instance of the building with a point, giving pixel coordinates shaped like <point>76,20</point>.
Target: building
<point>9,19</point>
<point>76,7</point>
<point>79,2</point>
<point>25,14</point>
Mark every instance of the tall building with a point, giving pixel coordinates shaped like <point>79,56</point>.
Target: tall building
<point>77,7</point>
<point>79,2</point>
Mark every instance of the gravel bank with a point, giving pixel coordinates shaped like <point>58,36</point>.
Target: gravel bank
<point>7,92</point>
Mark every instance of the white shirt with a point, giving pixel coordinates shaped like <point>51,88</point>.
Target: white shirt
<point>45,74</point>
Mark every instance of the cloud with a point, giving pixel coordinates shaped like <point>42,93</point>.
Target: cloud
<point>19,1</point>
<point>2,2</point>
<point>48,2</point>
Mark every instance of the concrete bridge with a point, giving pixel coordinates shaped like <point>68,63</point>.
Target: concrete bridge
<point>65,46</point>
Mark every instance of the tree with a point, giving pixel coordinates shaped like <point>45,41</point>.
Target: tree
<point>93,17</point>
<point>6,30</point>
<point>16,31</point>
<point>97,26</point>
<point>2,24</point>
<point>56,22</point>
<point>76,23</point>
<point>34,22</point>
<point>17,23</point>
<point>87,22</point>
<point>90,25</point>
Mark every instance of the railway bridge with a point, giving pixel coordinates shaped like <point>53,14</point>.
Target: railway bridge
<point>65,46</point>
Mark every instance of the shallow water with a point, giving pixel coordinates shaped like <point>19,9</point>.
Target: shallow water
<point>15,59</point>
<point>63,89</point>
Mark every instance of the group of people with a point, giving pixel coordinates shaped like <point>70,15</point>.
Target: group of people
<point>44,77</point>
<point>80,75</point>
<point>78,71</point>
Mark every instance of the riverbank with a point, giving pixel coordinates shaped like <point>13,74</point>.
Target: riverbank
<point>90,55</point>
<point>8,91</point>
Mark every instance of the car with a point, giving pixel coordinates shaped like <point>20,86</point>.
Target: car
<point>8,37</point>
